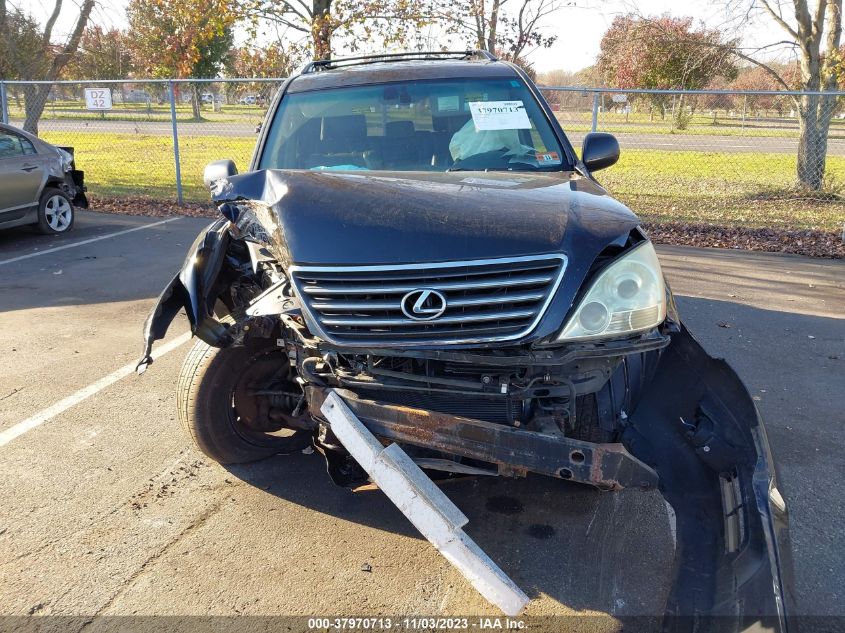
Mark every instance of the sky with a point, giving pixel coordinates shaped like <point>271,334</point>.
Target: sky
<point>578,28</point>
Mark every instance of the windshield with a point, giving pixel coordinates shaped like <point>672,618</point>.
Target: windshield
<point>454,124</point>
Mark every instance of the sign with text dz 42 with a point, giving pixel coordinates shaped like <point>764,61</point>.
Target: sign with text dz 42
<point>98,99</point>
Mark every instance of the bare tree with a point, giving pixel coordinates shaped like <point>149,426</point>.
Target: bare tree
<point>362,23</point>
<point>809,29</point>
<point>526,27</point>
<point>508,28</point>
<point>38,68</point>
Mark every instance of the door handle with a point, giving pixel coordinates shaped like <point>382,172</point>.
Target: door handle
<point>29,168</point>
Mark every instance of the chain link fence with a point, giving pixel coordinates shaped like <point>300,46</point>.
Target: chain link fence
<point>754,158</point>
<point>750,158</point>
<point>155,138</point>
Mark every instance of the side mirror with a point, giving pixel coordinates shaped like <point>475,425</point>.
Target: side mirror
<point>217,170</point>
<point>599,150</point>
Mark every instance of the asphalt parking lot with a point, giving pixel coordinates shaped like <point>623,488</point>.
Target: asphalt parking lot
<point>107,510</point>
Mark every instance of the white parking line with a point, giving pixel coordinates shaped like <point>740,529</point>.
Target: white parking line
<point>86,392</point>
<point>83,242</point>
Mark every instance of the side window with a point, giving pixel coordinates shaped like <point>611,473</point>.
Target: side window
<point>10,145</point>
<point>27,147</point>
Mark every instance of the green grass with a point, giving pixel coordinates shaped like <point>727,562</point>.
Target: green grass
<point>138,165</point>
<point>730,189</point>
<point>741,189</point>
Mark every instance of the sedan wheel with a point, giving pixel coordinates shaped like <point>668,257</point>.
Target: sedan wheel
<point>55,213</point>
<point>59,213</point>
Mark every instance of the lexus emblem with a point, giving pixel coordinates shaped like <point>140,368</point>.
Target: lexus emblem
<point>423,304</point>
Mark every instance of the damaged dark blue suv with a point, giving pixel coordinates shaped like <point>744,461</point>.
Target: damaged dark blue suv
<point>416,233</point>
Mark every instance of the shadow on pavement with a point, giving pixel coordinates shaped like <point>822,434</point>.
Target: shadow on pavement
<point>591,551</point>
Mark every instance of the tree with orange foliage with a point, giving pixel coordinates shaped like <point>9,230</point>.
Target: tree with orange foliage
<point>665,53</point>
<point>181,38</point>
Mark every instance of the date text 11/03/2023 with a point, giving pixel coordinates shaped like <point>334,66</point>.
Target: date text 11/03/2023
<point>417,624</point>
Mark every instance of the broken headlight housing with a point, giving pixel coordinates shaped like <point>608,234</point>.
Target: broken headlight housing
<point>66,158</point>
<point>627,297</point>
<point>244,223</point>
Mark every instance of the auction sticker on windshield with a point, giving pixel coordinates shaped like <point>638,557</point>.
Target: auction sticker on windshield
<point>499,115</point>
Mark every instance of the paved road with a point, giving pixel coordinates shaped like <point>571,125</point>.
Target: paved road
<point>107,510</point>
<point>631,140</point>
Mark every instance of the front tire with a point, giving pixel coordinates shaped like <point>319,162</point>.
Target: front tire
<point>214,382</point>
<point>55,212</point>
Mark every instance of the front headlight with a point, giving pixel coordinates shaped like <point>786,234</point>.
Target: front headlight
<point>627,297</point>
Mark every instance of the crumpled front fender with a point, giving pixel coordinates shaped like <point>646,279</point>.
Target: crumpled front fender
<point>699,428</point>
<point>191,289</point>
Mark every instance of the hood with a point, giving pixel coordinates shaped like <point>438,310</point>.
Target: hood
<point>359,217</point>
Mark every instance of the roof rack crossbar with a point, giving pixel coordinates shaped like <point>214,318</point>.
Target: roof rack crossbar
<point>325,64</point>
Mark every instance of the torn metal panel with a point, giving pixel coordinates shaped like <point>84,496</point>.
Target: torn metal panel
<point>426,506</point>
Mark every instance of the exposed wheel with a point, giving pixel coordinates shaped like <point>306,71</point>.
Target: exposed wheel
<point>55,212</point>
<point>236,403</point>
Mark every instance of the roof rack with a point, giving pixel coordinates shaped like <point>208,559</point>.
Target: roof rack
<point>338,62</point>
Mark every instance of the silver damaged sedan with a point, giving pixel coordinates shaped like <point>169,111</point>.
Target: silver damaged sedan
<point>39,183</point>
